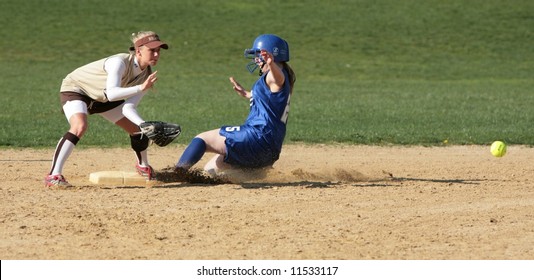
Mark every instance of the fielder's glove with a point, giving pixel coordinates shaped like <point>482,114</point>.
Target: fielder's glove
<point>161,133</point>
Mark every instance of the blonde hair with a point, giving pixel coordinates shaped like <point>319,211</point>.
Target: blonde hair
<point>141,34</point>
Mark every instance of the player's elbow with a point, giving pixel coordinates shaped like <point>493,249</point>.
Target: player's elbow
<point>128,107</point>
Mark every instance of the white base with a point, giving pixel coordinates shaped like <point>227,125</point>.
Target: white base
<point>117,178</point>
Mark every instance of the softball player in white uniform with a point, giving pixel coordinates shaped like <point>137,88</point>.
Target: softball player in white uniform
<point>111,87</point>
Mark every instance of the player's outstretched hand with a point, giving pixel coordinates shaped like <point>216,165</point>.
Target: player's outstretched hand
<point>239,89</point>
<point>150,81</point>
<point>267,57</point>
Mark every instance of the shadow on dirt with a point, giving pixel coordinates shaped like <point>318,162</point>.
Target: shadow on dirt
<point>445,181</point>
<point>262,179</point>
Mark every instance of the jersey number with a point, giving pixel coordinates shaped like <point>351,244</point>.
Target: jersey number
<point>232,128</point>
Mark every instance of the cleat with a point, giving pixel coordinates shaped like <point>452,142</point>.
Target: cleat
<point>56,180</point>
<point>147,172</point>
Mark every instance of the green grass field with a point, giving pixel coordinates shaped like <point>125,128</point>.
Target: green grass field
<point>408,72</point>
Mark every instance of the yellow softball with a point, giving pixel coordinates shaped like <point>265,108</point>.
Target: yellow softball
<point>498,148</point>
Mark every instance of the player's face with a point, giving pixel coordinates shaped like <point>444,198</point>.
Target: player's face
<point>258,60</point>
<point>149,56</point>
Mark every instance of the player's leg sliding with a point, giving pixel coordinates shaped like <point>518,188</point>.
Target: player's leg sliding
<point>192,154</point>
<point>64,148</point>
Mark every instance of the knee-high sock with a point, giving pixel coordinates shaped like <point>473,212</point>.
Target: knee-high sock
<point>192,154</point>
<point>63,150</point>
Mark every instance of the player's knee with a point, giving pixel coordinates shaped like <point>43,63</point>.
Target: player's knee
<point>139,142</point>
<point>78,129</point>
<point>78,124</point>
<point>216,164</point>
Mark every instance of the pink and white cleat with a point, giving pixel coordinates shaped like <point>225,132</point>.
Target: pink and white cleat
<point>56,180</point>
<point>145,171</point>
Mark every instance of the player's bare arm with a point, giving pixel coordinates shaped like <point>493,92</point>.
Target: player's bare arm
<point>275,78</point>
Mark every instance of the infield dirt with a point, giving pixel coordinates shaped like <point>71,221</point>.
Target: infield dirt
<point>318,202</point>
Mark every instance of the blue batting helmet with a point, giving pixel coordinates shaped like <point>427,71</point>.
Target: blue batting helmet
<point>271,43</point>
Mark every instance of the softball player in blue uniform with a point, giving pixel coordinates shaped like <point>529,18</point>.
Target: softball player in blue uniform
<point>258,142</point>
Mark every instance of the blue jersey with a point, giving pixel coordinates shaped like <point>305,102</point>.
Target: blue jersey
<point>258,142</point>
